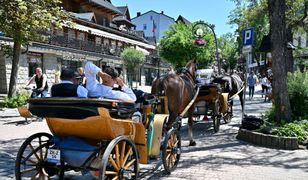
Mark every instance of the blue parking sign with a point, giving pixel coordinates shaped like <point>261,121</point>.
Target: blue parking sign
<point>248,35</point>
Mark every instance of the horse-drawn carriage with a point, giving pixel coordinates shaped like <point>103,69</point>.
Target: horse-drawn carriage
<point>98,136</point>
<point>211,99</point>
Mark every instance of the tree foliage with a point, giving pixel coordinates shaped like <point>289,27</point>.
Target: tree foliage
<point>132,59</point>
<point>228,46</point>
<point>22,19</point>
<point>177,47</point>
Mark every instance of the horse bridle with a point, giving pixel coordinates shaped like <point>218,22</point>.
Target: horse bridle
<point>189,74</point>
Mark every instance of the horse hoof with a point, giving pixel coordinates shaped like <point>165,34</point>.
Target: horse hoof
<point>192,143</point>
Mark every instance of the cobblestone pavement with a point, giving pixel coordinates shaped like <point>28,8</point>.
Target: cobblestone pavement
<point>216,155</point>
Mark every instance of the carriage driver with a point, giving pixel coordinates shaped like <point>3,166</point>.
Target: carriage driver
<point>110,78</point>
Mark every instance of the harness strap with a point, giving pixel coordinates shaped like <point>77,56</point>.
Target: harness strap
<point>237,92</point>
<point>190,103</point>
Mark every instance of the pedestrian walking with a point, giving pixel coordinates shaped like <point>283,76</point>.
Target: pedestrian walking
<point>264,84</point>
<point>252,81</point>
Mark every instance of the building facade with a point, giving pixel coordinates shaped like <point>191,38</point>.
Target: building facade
<point>100,33</point>
<point>153,24</point>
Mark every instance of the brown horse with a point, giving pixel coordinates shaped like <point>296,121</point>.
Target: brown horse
<point>180,90</point>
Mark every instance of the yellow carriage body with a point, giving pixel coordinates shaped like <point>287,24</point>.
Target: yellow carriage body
<point>94,126</point>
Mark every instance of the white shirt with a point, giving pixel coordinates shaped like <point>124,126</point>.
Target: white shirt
<point>95,89</point>
<point>81,91</point>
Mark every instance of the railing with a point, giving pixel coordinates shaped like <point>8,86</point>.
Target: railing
<point>66,41</point>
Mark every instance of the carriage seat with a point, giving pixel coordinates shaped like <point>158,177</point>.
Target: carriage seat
<point>79,108</point>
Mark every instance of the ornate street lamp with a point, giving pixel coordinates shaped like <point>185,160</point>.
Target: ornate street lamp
<point>198,32</point>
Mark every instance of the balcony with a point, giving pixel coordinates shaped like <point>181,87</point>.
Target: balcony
<point>66,41</point>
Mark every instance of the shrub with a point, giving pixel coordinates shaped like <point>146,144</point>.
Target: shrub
<point>297,129</point>
<point>19,100</point>
<point>298,93</point>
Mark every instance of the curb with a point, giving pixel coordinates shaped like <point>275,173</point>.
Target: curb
<point>267,140</point>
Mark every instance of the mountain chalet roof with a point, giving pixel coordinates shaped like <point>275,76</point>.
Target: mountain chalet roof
<point>106,4</point>
<point>184,20</point>
<point>86,16</point>
<point>155,13</point>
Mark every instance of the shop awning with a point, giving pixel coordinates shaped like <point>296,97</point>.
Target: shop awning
<point>144,51</point>
<point>111,36</point>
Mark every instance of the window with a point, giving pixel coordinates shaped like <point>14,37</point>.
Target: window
<point>144,27</point>
<point>151,18</point>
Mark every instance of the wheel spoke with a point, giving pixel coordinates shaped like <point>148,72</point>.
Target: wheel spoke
<point>168,156</point>
<point>113,163</point>
<point>176,143</point>
<point>117,154</point>
<point>46,153</point>
<point>33,177</point>
<point>129,164</point>
<point>111,173</point>
<point>126,156</point>
<point>123,153</point>
<point>115,178</point>
<point>31,147</point>
<point>31,161</point>
<point>28,170</point>
<point>41,150</point>
<point>168,150</point>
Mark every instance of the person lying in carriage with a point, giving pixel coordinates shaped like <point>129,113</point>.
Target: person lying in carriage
<point>68,86</point>
<point>110,78</point>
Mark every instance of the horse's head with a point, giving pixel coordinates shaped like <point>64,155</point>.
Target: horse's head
<point>191,68</point>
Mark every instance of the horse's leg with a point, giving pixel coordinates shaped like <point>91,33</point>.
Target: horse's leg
<point>190,124</point>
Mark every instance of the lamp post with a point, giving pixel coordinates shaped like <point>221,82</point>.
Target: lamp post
<point>198,32</point>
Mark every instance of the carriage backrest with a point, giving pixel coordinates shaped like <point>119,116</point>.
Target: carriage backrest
<point>79,108</point>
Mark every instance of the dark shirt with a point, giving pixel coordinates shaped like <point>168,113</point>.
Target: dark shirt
<point>39,82</point>
<point>64,90</point>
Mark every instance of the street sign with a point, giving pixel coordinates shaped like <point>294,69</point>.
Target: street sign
<point>248,36</point>
<point>246,49</point>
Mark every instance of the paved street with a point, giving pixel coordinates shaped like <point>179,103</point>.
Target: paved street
<point>216,156</point>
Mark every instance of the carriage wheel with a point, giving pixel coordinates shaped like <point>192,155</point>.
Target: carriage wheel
<point>31,158</point>
<point>227,116</point>
<point>120,160</point>
<point>216,116</point>
<point>171,151</point>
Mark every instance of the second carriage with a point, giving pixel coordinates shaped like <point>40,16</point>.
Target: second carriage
<point>211,100</point>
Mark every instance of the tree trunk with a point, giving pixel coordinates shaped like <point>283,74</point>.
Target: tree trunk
<point>15,62</point>
<point>279,52</point>
<point>290,59</point>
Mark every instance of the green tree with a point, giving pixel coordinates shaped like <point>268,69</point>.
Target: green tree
<point>228,46</point>
<point>133,59</point>
<point>177,47</point>
<point>22,19</point>
<point>251,15</point>
<point>254,13</point>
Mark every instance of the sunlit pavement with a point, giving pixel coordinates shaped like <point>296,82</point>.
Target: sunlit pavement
<point>216,155</point>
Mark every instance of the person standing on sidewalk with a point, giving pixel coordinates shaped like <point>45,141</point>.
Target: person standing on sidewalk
<point>252,81</point>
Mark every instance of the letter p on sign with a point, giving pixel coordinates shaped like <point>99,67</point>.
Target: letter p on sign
<point>248,36</point>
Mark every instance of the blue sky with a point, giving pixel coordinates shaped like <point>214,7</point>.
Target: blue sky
<point>212,11</point>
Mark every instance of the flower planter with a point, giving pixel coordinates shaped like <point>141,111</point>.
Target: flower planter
<point>267,140</point>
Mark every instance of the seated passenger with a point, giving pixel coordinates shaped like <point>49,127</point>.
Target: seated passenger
<point>68,87</point>
<point>110,78</point>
